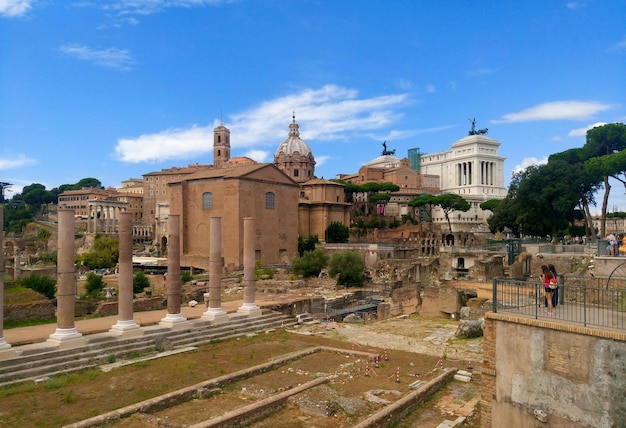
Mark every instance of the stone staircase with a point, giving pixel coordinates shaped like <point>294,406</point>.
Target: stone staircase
<point>41,360</point>
<point>306,319</point>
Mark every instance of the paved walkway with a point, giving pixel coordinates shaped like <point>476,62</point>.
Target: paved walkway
<point>41,333</point>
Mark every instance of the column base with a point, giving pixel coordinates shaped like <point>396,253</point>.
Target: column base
<point>6,351</point>
<point>128,328</point>
<point>215,315</point>
<point>251,311</point>
<point>67,338</point>
<point>174,320</point>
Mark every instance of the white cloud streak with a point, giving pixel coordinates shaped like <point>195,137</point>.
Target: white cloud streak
<point>149,7</point>
<point>120,59</point>
<point>556,110</point>
<point>329,113</point>
<point>16,162</point>
<point>526,162</point>
<point>582,132</point>
<point>15,8</point>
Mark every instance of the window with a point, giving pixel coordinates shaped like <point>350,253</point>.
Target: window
<point>269,201</point>
<point>207,201</point>
<point>296,173</point>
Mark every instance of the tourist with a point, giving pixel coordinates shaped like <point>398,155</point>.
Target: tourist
<point>611,246</point>
<point>546,277</point>
<point>555,294</point>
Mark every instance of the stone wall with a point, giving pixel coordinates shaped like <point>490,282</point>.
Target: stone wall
<point>111,308</point>
<point>43,309</point>
<point>404,301</point>
<point>574,375</point>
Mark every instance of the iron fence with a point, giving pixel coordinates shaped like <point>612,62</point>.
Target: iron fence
<point>589,304</point>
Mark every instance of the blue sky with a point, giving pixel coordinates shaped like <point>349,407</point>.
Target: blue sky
<point>118,88</point>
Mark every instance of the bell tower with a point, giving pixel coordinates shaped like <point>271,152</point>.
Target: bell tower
<point>221,145</point>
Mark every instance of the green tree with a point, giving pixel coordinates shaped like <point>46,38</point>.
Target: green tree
<point>140,281</point>
<point>105,253</point>
<point>543,199</point>
<point>490,204</point>
<point>450,202</point>
<point>424,203</point>
<point>604,154</point>
<point>337,232</point>
<point>348,267</point>
<point>49,257</point>
<point>310,264</point>
<point>39,283</point>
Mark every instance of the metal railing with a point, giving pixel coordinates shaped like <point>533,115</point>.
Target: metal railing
<point>598,306</point>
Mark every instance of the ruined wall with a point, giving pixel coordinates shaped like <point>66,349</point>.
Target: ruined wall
<point>574,374</point>
<point>27,311</point>
<point>404,301</point>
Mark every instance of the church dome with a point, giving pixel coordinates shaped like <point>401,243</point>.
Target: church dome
<point>293,143</point>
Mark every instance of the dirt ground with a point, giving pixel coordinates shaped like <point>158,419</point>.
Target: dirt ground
<point>414,348</point>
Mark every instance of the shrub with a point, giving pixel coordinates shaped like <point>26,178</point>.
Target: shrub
<point>185,276</point>
<point>307,244</point>
<point>348,267</point>
<point>39,283</point>
<point>140,281</point>
<point>337,232</point>
<point>310,264</point>
<point>94,285</point>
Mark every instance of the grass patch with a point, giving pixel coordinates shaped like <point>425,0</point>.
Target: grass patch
<point>28,323</point>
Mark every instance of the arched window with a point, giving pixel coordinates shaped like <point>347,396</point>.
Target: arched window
<point>269,200</point>
<point>207,201</point>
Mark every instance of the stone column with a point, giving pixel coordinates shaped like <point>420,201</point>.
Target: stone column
<point>249,275</point>
<point>173,282</point>
<point>66,293</point>
<point>3,343</point>
<point>17,263</point>
<point>126,325</point>
<point>214,311</point>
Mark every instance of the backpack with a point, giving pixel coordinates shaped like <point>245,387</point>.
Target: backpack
<point>554,283</point>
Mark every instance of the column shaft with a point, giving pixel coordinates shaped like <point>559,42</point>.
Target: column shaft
<point>125,276</point>
<point>249,276</point>
<point>214,310</point>
<point>174,283</point>
<point>215,264</point>
<point>66,279</point>
<point>3,343</point>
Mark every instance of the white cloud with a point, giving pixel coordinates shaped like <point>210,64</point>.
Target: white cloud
<point>110,57</point>
<point>430,89</point>
<point>13,8</point>
<point>526,162</point>
<point>575,5</point>
<point>168,144</point>
<point>556,110</point>
<point>582,132</point>
<point>325,114</point>
<point>16,162</point>
<point>148,7</point>
<point>258,155</point>
<point>321,160</point>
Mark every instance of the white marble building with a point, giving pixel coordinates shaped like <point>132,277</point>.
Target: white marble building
<point>472,168</point>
